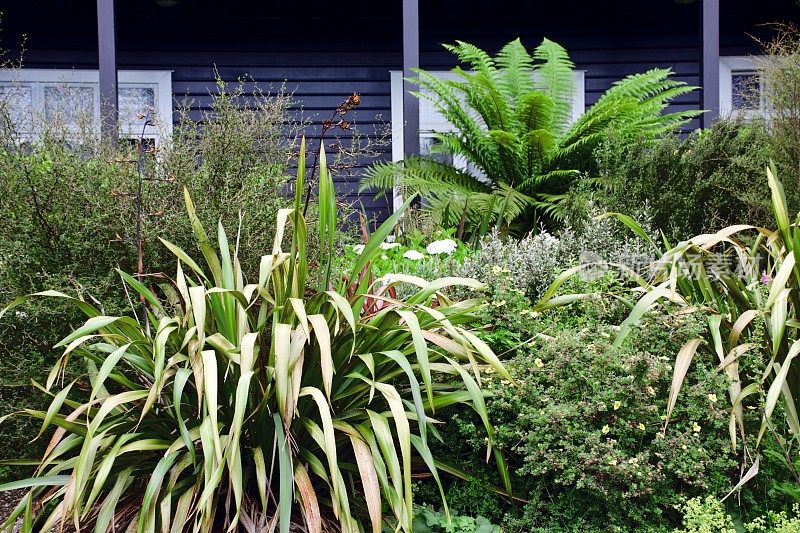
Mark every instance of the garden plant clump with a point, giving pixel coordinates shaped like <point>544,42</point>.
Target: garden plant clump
<point>282,401</point>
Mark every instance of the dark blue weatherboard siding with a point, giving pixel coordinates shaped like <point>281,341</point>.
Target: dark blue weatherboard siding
<point>324,51</point>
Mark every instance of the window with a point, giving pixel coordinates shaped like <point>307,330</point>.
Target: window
<point>431,121</point>
<point>72,98</point>
<point>740,87</point>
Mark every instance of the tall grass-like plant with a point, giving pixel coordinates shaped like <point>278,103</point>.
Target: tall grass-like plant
<point>512,120</point>
<point>262,406</point>
<point>746,281</point>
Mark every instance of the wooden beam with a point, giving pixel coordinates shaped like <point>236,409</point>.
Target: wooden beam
<point>107,60</point>
<point>710,62</point>
<point>410,61</point>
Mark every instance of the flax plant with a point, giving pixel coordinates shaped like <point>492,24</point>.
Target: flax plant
<point>263,406</point>
<point>746,281</point>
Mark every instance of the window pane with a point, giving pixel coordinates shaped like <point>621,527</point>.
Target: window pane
<point>69,105</point>
<point>745,90</point>
<point>136,104</point>
<point>17,101</point>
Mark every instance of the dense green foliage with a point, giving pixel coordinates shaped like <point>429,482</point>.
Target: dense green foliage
<point>701,183</point>
<point>513,124</point>
<point>327,386</point>
<point>583,428</point>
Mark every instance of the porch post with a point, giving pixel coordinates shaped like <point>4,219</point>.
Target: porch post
<point>710,62</point>
<point>107,56</point>
<point>410,61</point>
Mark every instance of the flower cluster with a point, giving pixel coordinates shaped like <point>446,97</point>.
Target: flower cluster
<point>444,246</point>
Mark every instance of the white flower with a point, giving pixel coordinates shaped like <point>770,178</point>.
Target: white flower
<point>413,255</point>
<point>384,257</point>
<point>389,245</point>
<point>444,246</point>
<point>358,248</point>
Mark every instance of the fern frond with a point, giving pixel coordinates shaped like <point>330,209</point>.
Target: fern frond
<point>516,66</point>
<point>471,55</point>
<point>554,78</point>
<point>423,176</point>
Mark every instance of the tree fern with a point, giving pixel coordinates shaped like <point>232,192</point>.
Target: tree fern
<point>511,116</point>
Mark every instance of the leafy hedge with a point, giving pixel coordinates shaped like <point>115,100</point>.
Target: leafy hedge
<point>706,181</point>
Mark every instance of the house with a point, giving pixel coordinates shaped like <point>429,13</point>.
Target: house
<point>324,51</point>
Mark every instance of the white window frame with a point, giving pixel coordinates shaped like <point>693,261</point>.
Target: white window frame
<point>159,80</point>
<point>431,121</point>
<point>728,66</point>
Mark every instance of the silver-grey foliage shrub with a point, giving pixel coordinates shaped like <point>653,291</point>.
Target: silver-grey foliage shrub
<point>532,263</point>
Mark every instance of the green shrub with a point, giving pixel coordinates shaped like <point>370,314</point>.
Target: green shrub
<point>709,180</point>
<point>583,430</point>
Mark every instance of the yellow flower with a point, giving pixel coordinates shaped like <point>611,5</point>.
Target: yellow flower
<point>538,362</point>
<point>617,404</point>
<point>642,426</point>
<point>695,427</point>
<point>499,303</point>
<point>612,462</point>
<point>605,429</point>
<point>663,417</point>
<point>684,447</point>
<point>496,269</point>
<point>651,391</point>
<point>713,398</point>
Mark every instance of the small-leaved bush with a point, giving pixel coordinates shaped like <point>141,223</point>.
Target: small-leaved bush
<point>599,246</point>
<point>583,430</point>
<point>582,422</point>
<point>708,180</point>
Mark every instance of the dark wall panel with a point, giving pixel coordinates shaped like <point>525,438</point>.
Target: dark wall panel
<point>323,51</point>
